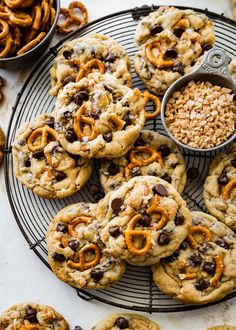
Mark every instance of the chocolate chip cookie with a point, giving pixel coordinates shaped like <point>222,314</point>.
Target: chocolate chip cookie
<point>43,165</point>
<point>98,117</point>
<point>203,268</point>
<point>126,321</point>
<point>75,250</point>
<point>220,187</point>
<point>169,42</point>
<point>32,316</point>
<point>98,52</point>
<point>143,221</point>
<point>152,154</point>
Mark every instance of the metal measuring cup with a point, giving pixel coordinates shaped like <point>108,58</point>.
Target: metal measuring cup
<point>214,69</point>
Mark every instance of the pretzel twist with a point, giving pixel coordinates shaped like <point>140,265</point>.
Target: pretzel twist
<point>75,222</point>
<point>86,69</point>
<point>3,14</point>
<point>45,133</point>
<point>154,208</point>
<point>154,155</point>
<point>83,264</point>
<point>79,119</point>
<point>4,29</point>
<point>149,97</point>
<point>6,46</point>
<point>14,4</point>
<point>206,232</point>
<point>19,18</point>
<point>228,188</point>
<point>158,61</point>
<point>219,270</point>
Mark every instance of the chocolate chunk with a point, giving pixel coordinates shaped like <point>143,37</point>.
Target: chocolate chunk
<point>107,137</point>
<point>223,178</point>
<point>193,173</point>
<point>205,247</point>
<point>179,219</point>
<point>139,142</point>
<point>173,257</point>
<point>97,275</point>
<point>70,135</point>
<point>67,114</point>
<point>201,285</point>
<point>233,162</point>
<point>67,54</point>
<point>164,150</point>
<point>195,260</point>
<point>50,122</point>
<point>114,231</point>
<point>178,31</point>
<point>92,51</point>
<point>157,28</point>
<point>159,189</point>
<point>206,47</point>
<point>110,57</point>
<point>73,244</point>
<point>128,120</point>
<point>80,96</point>
<point>135,172</point>
<point>183,246</point>
<point>171,52</point>
<point>58,257</point>
<point>122,323</point>
<point>222,243</point>
<point>77,327</point>
<point>178,67</point>
<point>96,113</point>
<point>38,154</point>
<point>163,239</point>
<point>27,162</point>
<point>116,204</point>
<point>31,315</point>
<point>96,191</point>
<point>209,268</point>
<point>68,79</point>
<point>62,227</point>
<point>145,221</point>
<point>75,157</point>
<point>59,176</point>
<point>113,169</point>
<point>167,178</point>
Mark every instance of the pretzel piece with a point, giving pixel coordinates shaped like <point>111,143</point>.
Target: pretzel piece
<point>154,208</point>
<point>37,13</point>
<point>183,23</point>
<point>119,123</point>
<point>154,155</point>
<point>45,133</point>
<point>46,14</point>
<point>3,14</point>
<point>14,4</point>
<point>206,232</point>
<point>75,222</point>
<point>219,270</point>
<point>228,188</point>
<point>79,119</point>
<point>32,43</point>
<point>83,264</point>
<point>19,18</point>
<point>86,69</point>
<point>7,44</point>
<point>31,327</point>
<point>158,61</point>
<point>16,40</point>
<point>188,276</point>
<point>4,29</point>
<point>150,97</point>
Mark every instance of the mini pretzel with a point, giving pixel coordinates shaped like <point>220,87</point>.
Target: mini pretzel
<point>3,14</point>
<point>119,123</point>
<point>219,270</point>
<point>149,97</point>
<point>158,61</point>
<point>228,188</point>
<point>188,276</point>
<point>79,119</point>
<point>201,229</point>
<point>130,232</point>
<point>4,29</point>
<point>7,44</point>
<point>19,18</point>
<point>32,43</point>
<point>18,3</point>
<point>86,69</point>
<point>83,264</point>
<point>45,133</point>
<point>37,13</point>
<point>75,222</point>
<point>154,155</point>
<point>154,208</point>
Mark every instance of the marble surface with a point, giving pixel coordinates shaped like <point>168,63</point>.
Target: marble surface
<point>23,277</point>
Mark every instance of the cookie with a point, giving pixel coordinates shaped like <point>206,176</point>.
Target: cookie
<point>75,251</point>
<point>32,316</point>
<point>220,187</point>
<point>203,269</point>
<point>2,144</point>
<point>98,117</point>
<point>76,55</point>
<point>223,327</point>
<point>153,154</point>
<point>143,221</point>
<point>126,321</point>
<point>42,164</point>
<point>169,42</point>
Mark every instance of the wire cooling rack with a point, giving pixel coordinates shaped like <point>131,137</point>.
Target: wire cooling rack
<point>136,290</point>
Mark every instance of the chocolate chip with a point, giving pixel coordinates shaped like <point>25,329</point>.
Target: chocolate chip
<point>58,257</point>
<point>163,239</point>
<point>116,204</point>
<point>145,221</point>
<point>38,154</point>
<point>222,243</point>
<point>75,157</point>
<point>179,219</point>
<point>157,28</point>
<point>31,314</point>
<point>173,257</point>
<point>205,247</point>
<point>27,162</point>
<point>171,52</point>
<point>97,275</point>
<point>128,120</point>
<point>178,67</point>
<point>96,191</point>
<point>59,176</point>
<point>201,285</point>
<point>110,57</point>
<point>50,122</point>
<point>92,51</point>
<point>135,172</point>
<point>67,54</point>
<point>195,260</point>
<point>209,268</point>
<point>233,162</point>
<point>178,31</point>
<point>68,79</point>
<point>62,227</point>
<point>67,114</point>
<point>113,169</point>
<point>164,150</point>
<point>193,173</point>
<point>206,47</point>
<point>122,323</point>
<point>114,231</point>
<point>96,113</point>
<point>80,96</point>
<point>139,142</point>
<point>70,135</point>
<point>73,244</point>
<point>77,327</point>
<point>183,246</point>
<point>223,179</point>
<point>167,178</point>
<point>108,137</point>
<point>160,190</point>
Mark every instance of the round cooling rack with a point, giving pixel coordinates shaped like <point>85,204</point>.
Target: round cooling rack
<point>136,289</point>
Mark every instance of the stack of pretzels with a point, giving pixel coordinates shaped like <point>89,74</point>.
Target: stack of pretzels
<point>23,24</point>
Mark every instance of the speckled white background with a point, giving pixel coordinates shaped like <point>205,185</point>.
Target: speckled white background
<point>23,277</point>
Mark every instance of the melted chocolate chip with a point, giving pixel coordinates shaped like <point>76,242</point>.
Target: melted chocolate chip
<point>195,260</point>
<point>145,221</point>
<point>164,150</point>
<point>50,122</point>
<point>62,227</point>
<point>92,51</point>
<point>38,154</point>
<point>67,54</point>
<point>171,52</point>
<point>193,173</point>
<point>114,231</point>
<point>178,67</point>
<point>96,191</point>
<point>233,162</point>
<point>178,31</point>
<point>167,178</point>
<point>173,257</point>
<point>97,275</point>
<point>70,135</point>
<point>205,247</point>
<point>222,243</point>
<point>179,219</point>
<point>77,327</point>
<point>108,137</point>
<point>80,97</point>
<point>135,172</point>
<point>116,204</point>
<point>206,47</point>
<point>209,268</point>
<point>113,169</point>
<point>160,190</point>
<point>96,113</point>
<point>139,142</point>
<point>128,120</point>
<point>58,257</point>
<point>122,323</point>
<point>110,57</point>
<point>163,239</point>
<point>68,80</point>
<point>67,114</point>
<point>27,162</point>
<point>31,314</point>
<point>59,176</point>
<point>157,28</point>
<point>223,178</point>
<point>183,246</point>
<point>73,244</point>
<point>201,285</point>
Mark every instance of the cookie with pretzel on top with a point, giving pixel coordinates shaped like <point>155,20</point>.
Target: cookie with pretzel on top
<point>143,221</point>
<point>75,250</point>
<point>43,165</point>
<point>203,269</point>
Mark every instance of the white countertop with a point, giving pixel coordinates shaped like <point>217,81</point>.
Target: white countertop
<point>23,277</point>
